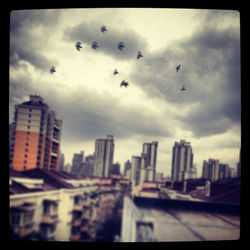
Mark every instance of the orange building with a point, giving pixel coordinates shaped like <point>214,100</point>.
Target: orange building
<point>36,136</point>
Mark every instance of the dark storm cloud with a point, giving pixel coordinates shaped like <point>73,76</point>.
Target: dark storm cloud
<point>108,41</point>
<point>87,115</point>
<point>20,87</point>
<point>24,47</point>
<point>210,71</point>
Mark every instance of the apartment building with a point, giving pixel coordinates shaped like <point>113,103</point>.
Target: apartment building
<point>58,206</point>
<point>103,157</point>
<point>36,136</point>
<point>182,160</point>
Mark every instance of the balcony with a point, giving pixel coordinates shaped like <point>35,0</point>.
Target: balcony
<point>77,222</point>
<point>24,231</point>
<point>75,237</point>
<point>54,154</point>
<point>85,215</point>
<point>49,219</point>
<point>84,228</point>
<point>77,207</point>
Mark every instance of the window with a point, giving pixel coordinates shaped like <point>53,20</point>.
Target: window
<point>21,218</point>
<point>75,230</point>
<point>28,126</point>
<point>29,121</point>
<point>46,208</point>
<point>30,110</point>
<point>77,215</point>
<point>28,218</point>
<point>15,218</point>
<point>77,200</point>
<point>144,231</point>
<point>50,208</point>
<point>47,230</point>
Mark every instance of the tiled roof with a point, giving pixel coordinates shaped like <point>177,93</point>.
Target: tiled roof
<point>17,188</point>
<point>49,177</point>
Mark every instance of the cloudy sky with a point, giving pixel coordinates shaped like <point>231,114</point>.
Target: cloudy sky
<point>88,98</point>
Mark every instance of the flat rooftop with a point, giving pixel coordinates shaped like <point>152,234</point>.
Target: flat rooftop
<point>185,221</point>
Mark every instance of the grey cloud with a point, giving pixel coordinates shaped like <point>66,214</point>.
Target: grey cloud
<point>24,47</point>
<point>96,115</point>
<point>22,19</point>
<point>89,32</point>
<point>210,71</point>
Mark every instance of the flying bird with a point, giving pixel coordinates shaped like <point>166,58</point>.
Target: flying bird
<point>103,29</point>
<point>178,68</point>
<point>139,55</point>
<point>183,88</point>
<point>52,70</point>
<point>123,83</point>
<point>95,45</point>
<point>78,46</point>
<point>115,72</point>
<point>121,46</point>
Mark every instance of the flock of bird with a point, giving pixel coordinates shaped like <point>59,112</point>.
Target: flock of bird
<point>120,46</point>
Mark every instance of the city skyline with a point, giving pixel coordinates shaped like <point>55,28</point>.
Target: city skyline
<point>87,96</point>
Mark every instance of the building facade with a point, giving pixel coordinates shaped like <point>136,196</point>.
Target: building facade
<point>149,152</point>
<point>56,206</point>
<point>136,168</point>
<point>127,169</point>
<point>77,162</point>
<point>61,162</point>
<point>213,170</point>
<point>144,166</point>
<point>103,158</point>
<point>210,170</point>
<point>182,160</point>
<point>36,136</point>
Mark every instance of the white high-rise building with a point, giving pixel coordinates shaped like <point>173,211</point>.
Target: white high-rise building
<point>103,159</point>
<point>182,160</point>
<point>136,167</point>
<point>149,150</point>
<point>211,169</point>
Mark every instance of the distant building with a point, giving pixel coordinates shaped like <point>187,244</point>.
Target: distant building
<point>144,166</point>
<point>136,169</point>
<point>67,168</point>
<point>224,171</point>
<point>127,169</point>
<point>210,169</point>
<point>88,166</point>
<point>239,166</point>
<point>77,163</point>
<point>103,158</point>
<point>150,151</point>
<point>182,160</point>
<point>61,162</point>
<point>213,170</point>
<point>36,135</point>
<point>115,169</point>
<point>191,173</point>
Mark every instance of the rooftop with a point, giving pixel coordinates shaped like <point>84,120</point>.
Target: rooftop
<point>175,220</point>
